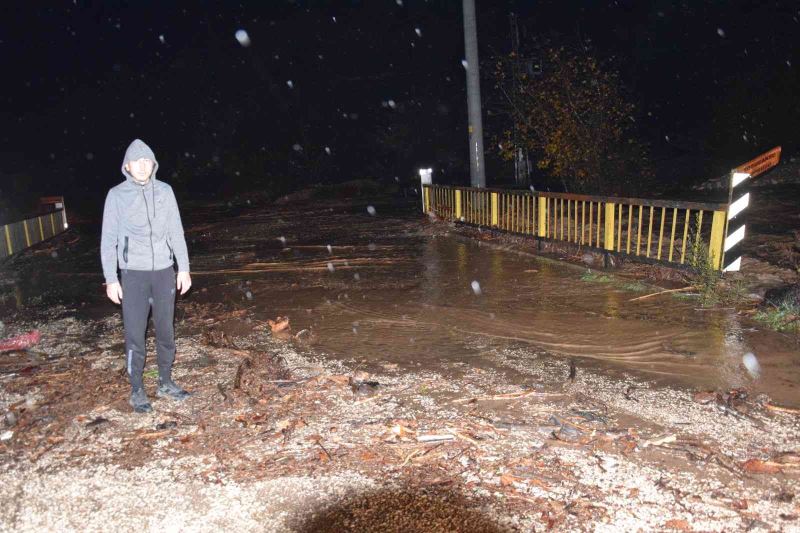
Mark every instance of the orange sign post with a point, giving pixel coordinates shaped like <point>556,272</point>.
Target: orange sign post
<point>759,165</point>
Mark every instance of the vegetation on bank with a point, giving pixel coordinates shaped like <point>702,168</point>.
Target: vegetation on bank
<point>783,316</point>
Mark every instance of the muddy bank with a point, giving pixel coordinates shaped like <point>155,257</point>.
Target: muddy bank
<point>399,387</point>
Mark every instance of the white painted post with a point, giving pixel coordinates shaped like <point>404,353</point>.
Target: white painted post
<point>425,178</point>
<point>732,254</point>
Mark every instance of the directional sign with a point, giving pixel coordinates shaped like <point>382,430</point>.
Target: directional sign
<point>760,164</point>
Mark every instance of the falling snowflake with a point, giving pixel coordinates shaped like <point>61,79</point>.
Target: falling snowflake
<point>330,249</point>
<point>464,63</point>
<point>371,210</point>
<point>290,84</point>
<point>161,38</point>
<point>356,277</point>
<point>249,295</point>
<point>282,239</point>
<point>297,148</point>
<point>720,32</point>
<point>391,104</point>
<point>327,150</point>
<point>751,364</point>
<point>419,32</point>
<point>399,2</point>
<point>330,267</point>
<point>476,288</point>
<point>242,37</point>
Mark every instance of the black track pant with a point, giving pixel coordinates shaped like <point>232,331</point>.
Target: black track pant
<point>141,291</point>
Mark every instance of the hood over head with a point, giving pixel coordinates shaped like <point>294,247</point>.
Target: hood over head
<point>139,150</point>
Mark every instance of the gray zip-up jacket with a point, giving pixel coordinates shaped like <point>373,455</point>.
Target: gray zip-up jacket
<point>142,227</point>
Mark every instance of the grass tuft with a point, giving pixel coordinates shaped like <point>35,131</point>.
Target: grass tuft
<point>784,316</point>
<point>596,277</point>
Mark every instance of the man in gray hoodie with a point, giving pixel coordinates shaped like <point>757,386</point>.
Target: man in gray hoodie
<point>143,235</point>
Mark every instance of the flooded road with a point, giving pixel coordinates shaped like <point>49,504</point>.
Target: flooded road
<point>394,288</point>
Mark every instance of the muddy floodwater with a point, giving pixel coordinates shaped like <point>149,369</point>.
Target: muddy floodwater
<point>394,287</point>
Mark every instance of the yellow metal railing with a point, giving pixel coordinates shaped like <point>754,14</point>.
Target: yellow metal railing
<point>661,230</point>
<point>17,236</point>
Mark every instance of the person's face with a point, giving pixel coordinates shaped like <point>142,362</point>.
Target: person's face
<point>140,169</point>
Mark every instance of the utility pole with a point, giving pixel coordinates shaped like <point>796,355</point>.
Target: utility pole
<point>477,173</point>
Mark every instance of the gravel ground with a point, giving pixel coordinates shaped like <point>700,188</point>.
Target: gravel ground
<point>578,455</point>
<point>150,498</point>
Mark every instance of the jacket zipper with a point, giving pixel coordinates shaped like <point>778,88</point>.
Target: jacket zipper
<point>150,224</point>
<point>125,251</point>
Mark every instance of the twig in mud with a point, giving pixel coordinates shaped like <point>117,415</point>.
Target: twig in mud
<point>237,380</point>
<point>151,435</point>
<point>509,396</point>
<point>365,400</point>
<point>330,457</point>
<point>429,450</point>
<point>178,415</point>
<point>435,438</point>
<point>410,456</point>
<point>467,438</point>
<point>779,409</point>
<point>683,289</point>
<point>660,441</point>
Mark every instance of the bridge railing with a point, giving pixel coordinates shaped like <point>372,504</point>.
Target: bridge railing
<point>17,236</point>
<point>661,230</point>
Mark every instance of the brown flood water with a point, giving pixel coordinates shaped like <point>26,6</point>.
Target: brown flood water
<point>395,294</point>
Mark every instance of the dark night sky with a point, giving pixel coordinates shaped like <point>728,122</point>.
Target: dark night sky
<point>84,78</point>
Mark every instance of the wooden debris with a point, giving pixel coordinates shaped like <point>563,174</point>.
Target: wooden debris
<point>677,523</point>
<point>683,289</point>
<point>508,396</point>
<point>757,466</point>
<point>704,397</point>
<point>280,324</point>
<point>410,456</point>
<point>435,438</point>
<point>780,409</point>
<point>660,441</point>
<point>151,435</point>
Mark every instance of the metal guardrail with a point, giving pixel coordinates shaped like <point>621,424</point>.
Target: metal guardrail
<point>17,236</point>
<point>661,230</point>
